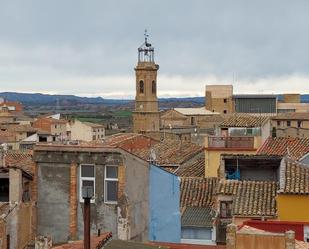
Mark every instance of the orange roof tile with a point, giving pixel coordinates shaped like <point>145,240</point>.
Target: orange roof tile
<point>197,191</point>
<point>281,146</point>
<point>294,177</point>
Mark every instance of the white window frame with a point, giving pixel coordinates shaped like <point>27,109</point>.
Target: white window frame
<point>81,179</point>
<point>106,179</point>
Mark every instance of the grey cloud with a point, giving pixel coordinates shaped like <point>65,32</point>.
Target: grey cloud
<point>62,38</point>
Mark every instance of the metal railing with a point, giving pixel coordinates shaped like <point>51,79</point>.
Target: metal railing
<point>231,142</point>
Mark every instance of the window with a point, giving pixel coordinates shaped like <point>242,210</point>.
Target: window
<point>196,233</point>
<point>111,184</point>
<point>224,111</point>
<point>298,124</point>
<point>55,126</point>
<point>154,87</point>
<point>288,123</point>
<point>278,123</point>
<point>141,86</point>
<point>225,209</point>
<point>94,137</point>
<point>87,178</point>
<point>224,100</point>
<point>192,121</point>
<point>4,190</point>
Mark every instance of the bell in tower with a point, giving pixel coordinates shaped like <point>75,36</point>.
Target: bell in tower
<point>146,114</point>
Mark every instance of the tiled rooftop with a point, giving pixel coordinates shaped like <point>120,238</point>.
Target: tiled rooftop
<point>244,120</point>
<point>197,191</point>
<point>197,217</point>
<point>21,160</point>
<point>294,177</point>
<point>170,152</point>
<point>194,169</point>
<point>281,146</point>
<point>250,198</point>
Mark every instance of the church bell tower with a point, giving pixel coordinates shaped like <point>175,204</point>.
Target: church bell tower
<point>146,114</point>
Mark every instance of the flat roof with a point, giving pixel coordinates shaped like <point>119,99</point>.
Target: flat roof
<point>255,96</point>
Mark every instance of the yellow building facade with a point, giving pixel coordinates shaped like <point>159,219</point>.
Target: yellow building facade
<point>214,150</point>
<point>293,207</point>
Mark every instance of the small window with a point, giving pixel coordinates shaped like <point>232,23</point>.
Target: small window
<point>154,87</point>
<point>192,121</point>
<point>299,124</point>
<point>111,184</point>
<point>278,123</point>
<point>55,126</point>
<point>225,209</point>
<point>288,123</point>
<point>87,178</point>
<point>4,190</point>
<point>224,111</point>
<point>225,100</point>
<point>141,86</point>
<point>94,137</point>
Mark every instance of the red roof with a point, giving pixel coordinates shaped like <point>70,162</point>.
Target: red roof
<point>279,227</point>
<point>188,246</point>
<point>281,146</point>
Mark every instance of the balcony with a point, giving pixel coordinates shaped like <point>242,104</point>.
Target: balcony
<point>230,142</point>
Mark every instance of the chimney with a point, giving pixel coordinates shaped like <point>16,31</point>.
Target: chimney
<point>87,192</point>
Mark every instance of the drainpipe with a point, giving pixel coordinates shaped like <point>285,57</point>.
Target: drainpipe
<point>87,193</point>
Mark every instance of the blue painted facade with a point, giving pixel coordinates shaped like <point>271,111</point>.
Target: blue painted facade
<point>164,199</point>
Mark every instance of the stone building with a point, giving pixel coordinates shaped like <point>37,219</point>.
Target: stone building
<point>290,124</point>
<point>146,116</point>
<point>86,131</point>
<point>219,98</point>
<point>127,199</point>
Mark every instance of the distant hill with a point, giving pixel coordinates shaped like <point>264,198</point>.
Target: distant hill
<point>52,100</point>
<point>39,99</point>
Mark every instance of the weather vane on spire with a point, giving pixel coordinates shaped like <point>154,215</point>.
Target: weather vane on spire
<point>146,51</point>
<point>146,36</point>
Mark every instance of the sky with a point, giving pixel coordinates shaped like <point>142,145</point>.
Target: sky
<point>89,48</point>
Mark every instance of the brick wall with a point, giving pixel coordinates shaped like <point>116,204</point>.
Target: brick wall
<point>73,201</point>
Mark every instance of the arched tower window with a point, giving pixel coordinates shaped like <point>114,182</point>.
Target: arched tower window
<point>154,87</point>
<point>141,86</point>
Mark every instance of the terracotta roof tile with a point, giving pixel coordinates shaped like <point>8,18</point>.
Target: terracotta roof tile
<point>281,146</point>
<point>170,152</point>
<point>244,120</point>
<point>250,198</point>
<point>294,177</point>
<point>197,217</point>
<point>195,169</point>
<point>20,159</point>
<point>197,191</point>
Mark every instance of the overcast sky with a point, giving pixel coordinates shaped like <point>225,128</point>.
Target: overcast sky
<point>89,47</point>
